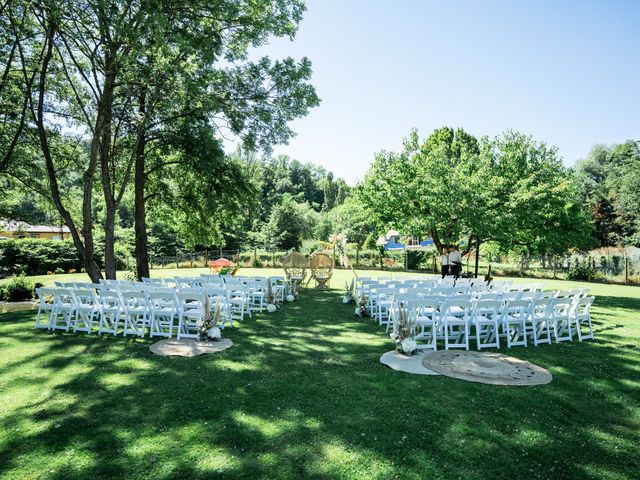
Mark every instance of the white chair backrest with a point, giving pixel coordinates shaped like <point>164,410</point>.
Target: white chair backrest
<point>165,298</point>
<point>85,296</point>
<point>45,295</point>
<point>63,296</point>
<point>482,296</point>
<point>517,309</point>
<point>190,300</point>
<point>455,307</point>
<point>109,298</point>
<point>583,306</point>
<point>561,306</point>
<point>539,307</point>
<point>510,296</point>
<point>488,308</point>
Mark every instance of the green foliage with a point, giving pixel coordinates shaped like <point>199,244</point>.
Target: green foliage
<point>289,224</point>
<point>17,289</point>
<point>511,190</point>
<point>610,187</point>
<point>584,423</point>
<point>37,257</point>
<point>323,228</point>
<point>353,219</point>
<point>583,271</point>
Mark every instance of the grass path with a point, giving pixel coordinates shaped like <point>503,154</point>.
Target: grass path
<point>302,395</point>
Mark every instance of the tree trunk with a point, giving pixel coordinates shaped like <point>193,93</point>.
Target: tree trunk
<point>436,240</point>
<point>112,196</point>
<point>475,273</point>
<point>85,250</point>
<point>140,215</point>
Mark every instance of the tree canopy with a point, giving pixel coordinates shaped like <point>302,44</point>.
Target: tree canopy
<point>511,190</point>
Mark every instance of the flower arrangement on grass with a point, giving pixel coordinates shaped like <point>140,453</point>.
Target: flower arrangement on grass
<point>208,327</point>
<point>361,309</point>
<point>293,291</point>
<point>273,300</point>
<point>349,295</point>
<point>403,333</point>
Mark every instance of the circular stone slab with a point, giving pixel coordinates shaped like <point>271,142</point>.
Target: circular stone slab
<point>486,367</point>
<point>188,347</point>
<point>406,363</point>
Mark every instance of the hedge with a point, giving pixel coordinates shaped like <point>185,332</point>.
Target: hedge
<point>37,256</point>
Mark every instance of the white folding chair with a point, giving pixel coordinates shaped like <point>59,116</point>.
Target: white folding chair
<point>424,314</point>
<point>111,309</point>
<point>257,289</point>
<point>580,315</point>
<point>514,322</point>
<point>455,323</point>
<point>190,313</point>
<point>163,309</point>
<point>87,309</point>
<point>486,320</point>
<point>538,323</point>
<point>45,307</point>
<point>384,301</point>
<point>238,299</point>
<point>559,310</point>
<point>64,308</point>
<point>215,293</point>
<point>136,310</point>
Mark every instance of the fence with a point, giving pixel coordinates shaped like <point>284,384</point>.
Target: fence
<point>618,265</point>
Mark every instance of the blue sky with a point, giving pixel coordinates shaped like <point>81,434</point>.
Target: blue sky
<point>566,72</point>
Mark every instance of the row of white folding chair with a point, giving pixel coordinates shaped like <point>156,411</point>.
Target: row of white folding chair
<point>136,310</point>
<point>452,318</point>
<point>241,298</point>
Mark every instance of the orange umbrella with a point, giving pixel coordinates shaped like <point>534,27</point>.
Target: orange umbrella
<point>221,262</point>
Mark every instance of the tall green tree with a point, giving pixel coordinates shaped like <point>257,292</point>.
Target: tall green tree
<point>121,73</point>
<point>511,190</point>
<point>289,224</point>
<point>427,189</point>
<point>610,186</point>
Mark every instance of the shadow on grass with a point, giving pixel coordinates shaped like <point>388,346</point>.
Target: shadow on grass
<point>302,395</point>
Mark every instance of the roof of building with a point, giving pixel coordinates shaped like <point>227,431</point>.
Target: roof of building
<point>17,226</point>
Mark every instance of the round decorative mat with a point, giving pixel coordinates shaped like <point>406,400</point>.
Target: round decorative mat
<point>486,367</point>
<point>406,363</point>
<point>188,347</point>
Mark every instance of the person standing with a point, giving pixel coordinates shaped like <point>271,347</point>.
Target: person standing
<point>444,262</point>
<point>455,262</point>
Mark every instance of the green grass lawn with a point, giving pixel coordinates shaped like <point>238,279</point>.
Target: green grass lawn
<point>302,395</point>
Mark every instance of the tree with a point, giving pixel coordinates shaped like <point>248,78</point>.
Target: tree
<point>428,189</point>
<point>609,185</point>
<point>120,73</point>
<point>289,224</point>
<point>532,200</point>
<point>354,221</point>
<point>511,190</point>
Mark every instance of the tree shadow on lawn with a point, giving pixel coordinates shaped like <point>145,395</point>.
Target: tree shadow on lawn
<point>302,395</point>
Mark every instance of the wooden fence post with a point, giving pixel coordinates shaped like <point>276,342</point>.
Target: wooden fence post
<point>626,270</point>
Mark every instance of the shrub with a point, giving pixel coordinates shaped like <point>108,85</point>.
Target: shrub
<point>256,263</point>
<point>583,271</point>
<point>59,271</point>
<point>37,256</point>
<point>16,290</point>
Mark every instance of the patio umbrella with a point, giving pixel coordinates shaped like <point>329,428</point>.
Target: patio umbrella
<point>221,262</point>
